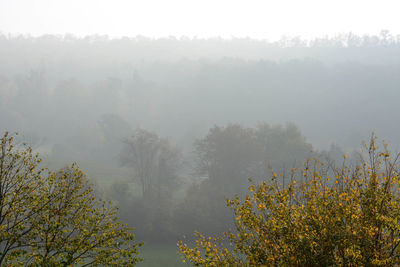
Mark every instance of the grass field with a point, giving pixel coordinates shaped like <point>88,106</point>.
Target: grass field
<point>104,175</point>
<point>165,256</point>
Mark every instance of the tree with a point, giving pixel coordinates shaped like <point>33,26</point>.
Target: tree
<point>154,160</point>
<point>350,219</point>
<point>53,218</point>
<point>114,127</point>
<point>281,146</point>
<point>228,155</point>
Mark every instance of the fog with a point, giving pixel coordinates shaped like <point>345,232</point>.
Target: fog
<point>204,115</point>
<point>335,90</point>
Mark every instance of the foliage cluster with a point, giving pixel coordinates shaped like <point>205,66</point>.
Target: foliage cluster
<point>350,218</point>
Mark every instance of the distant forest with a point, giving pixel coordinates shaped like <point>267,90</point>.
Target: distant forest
<point>336,90</point>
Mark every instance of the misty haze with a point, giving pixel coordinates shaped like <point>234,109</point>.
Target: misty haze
<point>168,128</point>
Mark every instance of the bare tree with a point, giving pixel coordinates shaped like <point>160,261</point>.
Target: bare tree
<point>154,160</point>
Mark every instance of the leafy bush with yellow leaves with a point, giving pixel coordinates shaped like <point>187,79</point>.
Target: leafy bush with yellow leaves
<point>323,216</point>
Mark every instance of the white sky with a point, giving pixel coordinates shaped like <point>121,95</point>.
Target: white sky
<point>261,19</point>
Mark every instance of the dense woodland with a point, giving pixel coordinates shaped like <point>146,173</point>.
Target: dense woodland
<point>169,128</point>
<point>181,88</point>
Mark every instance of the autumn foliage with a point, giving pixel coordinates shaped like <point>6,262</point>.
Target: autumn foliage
<point>318,216</point>
<point>54,218</point>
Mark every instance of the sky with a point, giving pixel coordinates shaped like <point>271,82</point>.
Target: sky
<point>259,19</point>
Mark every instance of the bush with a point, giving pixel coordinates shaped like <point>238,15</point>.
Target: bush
<point>319,216</point>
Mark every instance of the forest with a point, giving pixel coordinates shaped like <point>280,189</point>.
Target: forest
<point>168,129</point>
